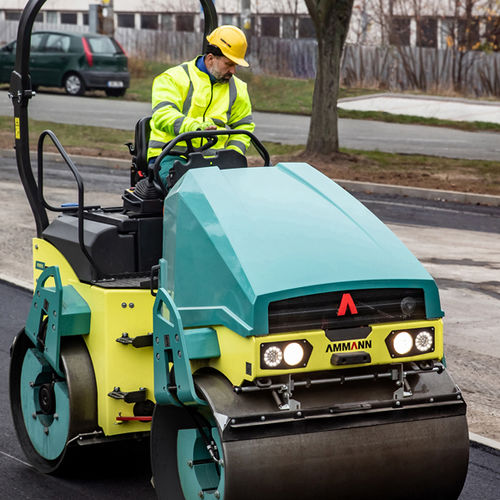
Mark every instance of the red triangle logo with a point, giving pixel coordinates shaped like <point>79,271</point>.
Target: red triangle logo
<point>345,303</point>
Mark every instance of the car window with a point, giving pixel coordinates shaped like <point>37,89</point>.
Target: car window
<point>11,47</point>
<point>57,43</point>
<point>36,40</point>
<point>101,45</point>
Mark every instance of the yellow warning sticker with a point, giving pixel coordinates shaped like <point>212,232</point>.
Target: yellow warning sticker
<point>18,128</point>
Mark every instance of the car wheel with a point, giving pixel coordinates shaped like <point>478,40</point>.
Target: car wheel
<point>74,84</point>
<point>115,92</point>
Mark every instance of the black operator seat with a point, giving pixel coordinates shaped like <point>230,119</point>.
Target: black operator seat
<point>139,150</point>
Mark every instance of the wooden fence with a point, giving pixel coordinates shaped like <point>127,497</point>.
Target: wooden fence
<point>392,68</point>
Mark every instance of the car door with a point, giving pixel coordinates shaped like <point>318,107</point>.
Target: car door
<point>51,62</point>
<point>35,54</point>
<point>7,59</point>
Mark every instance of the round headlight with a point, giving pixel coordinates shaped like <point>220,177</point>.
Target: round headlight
<point>273,356</point>
<point>402,343</point>
<point>423,341</point>
<point>293,354</point>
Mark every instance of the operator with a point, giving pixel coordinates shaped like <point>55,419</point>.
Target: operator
<point>202,94</point>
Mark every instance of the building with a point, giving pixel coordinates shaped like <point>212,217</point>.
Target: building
<point>426,23</point>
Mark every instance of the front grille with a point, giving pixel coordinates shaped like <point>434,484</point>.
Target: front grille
<point>331,310</point>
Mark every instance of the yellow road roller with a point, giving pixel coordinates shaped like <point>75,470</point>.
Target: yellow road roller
<point>266,332</point>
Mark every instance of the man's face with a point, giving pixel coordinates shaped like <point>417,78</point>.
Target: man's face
<point>220,67</point>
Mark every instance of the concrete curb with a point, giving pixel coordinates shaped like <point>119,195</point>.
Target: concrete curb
<point>355,186</point>
<point>484,441</point>
<point>422,193</point>
<point>23,285</point>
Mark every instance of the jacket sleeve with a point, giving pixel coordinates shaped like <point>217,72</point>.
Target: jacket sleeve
<point>169,96</point>
<point>241,119</point>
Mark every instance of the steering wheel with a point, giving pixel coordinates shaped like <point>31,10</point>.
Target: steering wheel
<point>212,137</point>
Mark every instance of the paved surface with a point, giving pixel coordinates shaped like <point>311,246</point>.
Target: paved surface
<point>427,107</point>
<point>287,129</point>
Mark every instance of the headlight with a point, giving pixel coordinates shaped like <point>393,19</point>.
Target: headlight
<point>273,356</point>
<point>293,354</point>
<point>283,355</point>
<point>410,342</point>
<point>423,341</point>
<point>402,343</point>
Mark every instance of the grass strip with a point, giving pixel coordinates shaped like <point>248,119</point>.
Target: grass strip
<point>478,176</point>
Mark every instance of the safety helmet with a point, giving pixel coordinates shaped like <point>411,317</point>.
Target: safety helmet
<point>231,41</point>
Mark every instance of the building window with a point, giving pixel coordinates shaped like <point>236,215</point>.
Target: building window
<point>468,33</point>
<point>306,28</point>
<point>52,17</point>
<point>400,31</point>
<point>493,33</point>
<point>85,18</point>
<point>184,22</point>
<point>226,19</point>
<point>149,21</point>
<point>167,22</point>
<point>126,20</point>
<point>270,26</point>
<point>68,17</point>
<point>288,26</point>
<point>448,34</point>
<point>427,32</point>
<point>12,15</point>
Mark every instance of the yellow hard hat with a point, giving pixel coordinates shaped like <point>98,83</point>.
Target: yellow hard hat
<point>231,41</point>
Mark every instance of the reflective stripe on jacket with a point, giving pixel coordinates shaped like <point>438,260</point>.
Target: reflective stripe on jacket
<point>183,98</point>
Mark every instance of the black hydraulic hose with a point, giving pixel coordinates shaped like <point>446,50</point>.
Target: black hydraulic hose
<point>210,15</point>
<point>21,93</point>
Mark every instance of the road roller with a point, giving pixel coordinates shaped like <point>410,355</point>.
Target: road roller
<point>267,334</point>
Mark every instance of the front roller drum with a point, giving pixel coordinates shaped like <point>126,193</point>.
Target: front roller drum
<point>398,455</point>
<point>49,411</point>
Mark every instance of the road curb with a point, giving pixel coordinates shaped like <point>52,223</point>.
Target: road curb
<point>484,441</point>
<point>354,186</point>
<point>422,193</point>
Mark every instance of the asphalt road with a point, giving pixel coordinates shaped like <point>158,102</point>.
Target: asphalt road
<point>287,129</point>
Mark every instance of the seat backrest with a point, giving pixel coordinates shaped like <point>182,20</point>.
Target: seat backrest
<point>139,150</point>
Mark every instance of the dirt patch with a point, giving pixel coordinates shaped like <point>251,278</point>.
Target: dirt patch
<point>407,170</point>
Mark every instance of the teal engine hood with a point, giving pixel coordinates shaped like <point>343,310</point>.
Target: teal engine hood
<point>237,239</point>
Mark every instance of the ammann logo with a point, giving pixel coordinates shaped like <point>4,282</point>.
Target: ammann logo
<point>349,346</point>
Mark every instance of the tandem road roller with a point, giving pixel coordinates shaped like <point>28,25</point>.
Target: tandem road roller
<point>267,333</point>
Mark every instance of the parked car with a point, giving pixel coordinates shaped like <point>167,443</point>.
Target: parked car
<point>77,62</point>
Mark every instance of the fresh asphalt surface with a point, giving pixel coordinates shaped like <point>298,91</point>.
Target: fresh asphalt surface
<point>287,129</point>
<point>123,472</point>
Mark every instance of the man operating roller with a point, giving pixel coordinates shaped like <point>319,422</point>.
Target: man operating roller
<point>202,94</point>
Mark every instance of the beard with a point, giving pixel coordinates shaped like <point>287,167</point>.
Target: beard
<point>219,76</point>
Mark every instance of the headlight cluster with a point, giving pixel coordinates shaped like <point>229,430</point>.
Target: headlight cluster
<point>280,355</point>
<point>411,342</point>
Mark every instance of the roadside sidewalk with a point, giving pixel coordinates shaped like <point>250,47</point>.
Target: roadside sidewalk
<point>444,108</point>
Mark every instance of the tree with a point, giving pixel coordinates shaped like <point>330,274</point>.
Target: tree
<point>331,20</point>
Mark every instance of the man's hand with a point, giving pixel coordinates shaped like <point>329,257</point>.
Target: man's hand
<point>206,125</point>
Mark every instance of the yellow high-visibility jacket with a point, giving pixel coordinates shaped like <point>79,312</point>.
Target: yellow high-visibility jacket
<point>183,98</point>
